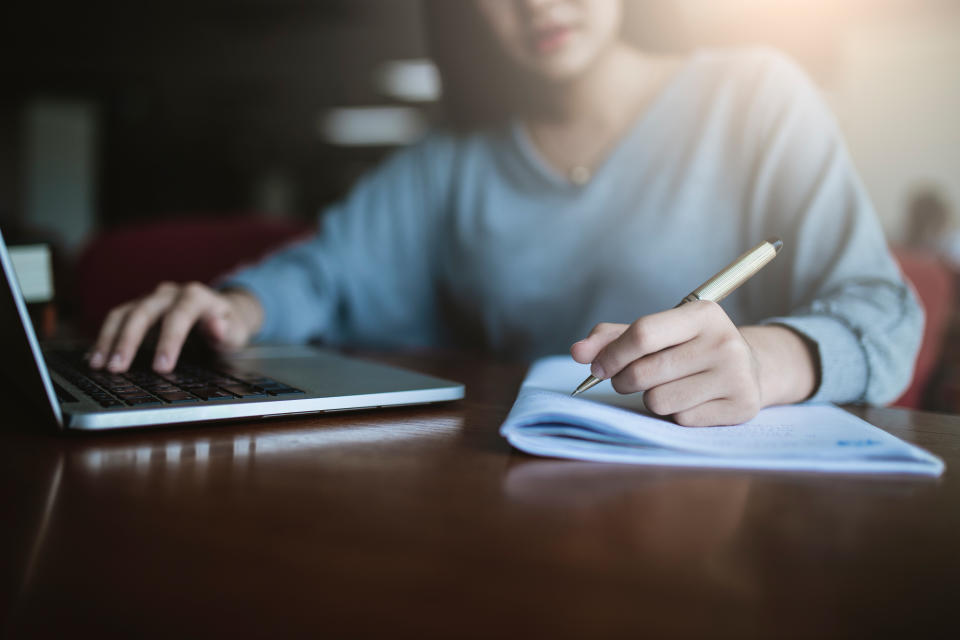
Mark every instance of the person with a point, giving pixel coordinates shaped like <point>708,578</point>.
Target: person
<point>928,221</point>
<point>930,226</point>
<point>595,186</point>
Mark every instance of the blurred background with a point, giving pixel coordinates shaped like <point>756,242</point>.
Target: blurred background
<point>114,115</point>
<point>114,112</point>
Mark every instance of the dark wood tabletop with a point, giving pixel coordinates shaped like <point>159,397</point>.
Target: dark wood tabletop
<point>422,522</point>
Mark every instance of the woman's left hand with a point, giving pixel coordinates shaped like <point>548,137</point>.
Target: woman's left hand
<point>691,362</point>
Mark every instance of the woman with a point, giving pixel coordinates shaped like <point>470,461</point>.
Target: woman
<point>603,184</point>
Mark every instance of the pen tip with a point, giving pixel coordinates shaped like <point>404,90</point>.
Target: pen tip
<point>777,244</point>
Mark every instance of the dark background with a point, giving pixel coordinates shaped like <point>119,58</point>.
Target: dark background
<point>199,101</point>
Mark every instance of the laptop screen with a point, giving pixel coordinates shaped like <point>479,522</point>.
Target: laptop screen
<point>22,362</point>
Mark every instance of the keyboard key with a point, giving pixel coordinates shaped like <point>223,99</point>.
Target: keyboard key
<point>258,381</point>
<point>244,391</point>
<point>210,394</point>
<point>142,402</point>
<point>134,395</point>
<point>178,397</point>
<point>159,387</point>
<point>283,391</point>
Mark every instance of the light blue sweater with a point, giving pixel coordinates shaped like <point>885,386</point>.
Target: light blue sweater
<point>471,240</point>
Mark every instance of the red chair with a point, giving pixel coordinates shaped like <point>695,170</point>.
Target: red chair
<point>124,263</point>
<point>933,281</point>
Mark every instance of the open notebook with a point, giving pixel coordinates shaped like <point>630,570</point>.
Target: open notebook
<point>605,426</point>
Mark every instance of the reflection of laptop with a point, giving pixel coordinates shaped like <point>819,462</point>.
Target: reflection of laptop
<point>256,382</point>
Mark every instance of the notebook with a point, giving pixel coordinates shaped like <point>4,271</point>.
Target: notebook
<point>602,425</point>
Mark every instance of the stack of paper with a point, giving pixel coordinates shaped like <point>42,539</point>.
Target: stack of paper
<point>605,426</point>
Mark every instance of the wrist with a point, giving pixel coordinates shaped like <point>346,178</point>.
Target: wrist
<point>786,363</point>
<point>247,308</point>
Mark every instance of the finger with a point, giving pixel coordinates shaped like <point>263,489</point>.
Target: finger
<point>674,363</point>
<point>193,301</point>
<point>653,333</point>
<point>141,317</point>
<point>600,336</point>
<point>716,413</point>
<point>108,335</point>
<point>686,393</point>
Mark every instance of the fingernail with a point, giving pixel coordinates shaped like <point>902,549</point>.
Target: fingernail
<point>162,362</point>
<point>598,372</point>
<point>115,361</point>
<point>96,360</point>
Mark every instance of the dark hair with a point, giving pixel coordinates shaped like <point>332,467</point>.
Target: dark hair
<point>481,85</point>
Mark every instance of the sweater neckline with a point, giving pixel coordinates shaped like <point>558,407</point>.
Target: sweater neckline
<point>528,151</point>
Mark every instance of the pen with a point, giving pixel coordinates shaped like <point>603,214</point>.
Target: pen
<point>721,285</point>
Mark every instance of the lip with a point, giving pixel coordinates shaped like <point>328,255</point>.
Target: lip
<point>550,39</point>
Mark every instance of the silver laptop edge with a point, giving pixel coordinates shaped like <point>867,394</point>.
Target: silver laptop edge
<point>46,384</point>
<point>353,383</point>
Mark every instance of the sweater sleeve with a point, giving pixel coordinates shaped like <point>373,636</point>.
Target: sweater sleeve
<point>367,276</point>
<point>846,294</point>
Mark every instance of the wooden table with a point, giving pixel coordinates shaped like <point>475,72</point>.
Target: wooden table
<point>423,522</point>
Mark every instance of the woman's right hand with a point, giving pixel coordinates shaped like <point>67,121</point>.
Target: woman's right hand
<point>228,319</point>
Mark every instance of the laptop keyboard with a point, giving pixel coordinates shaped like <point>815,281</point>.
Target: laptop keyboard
<point>143,387</point>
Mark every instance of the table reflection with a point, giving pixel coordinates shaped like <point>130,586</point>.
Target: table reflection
<point>185,452</point>
<point>677,523</point>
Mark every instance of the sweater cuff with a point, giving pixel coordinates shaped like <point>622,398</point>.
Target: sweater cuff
<point>844,370</point>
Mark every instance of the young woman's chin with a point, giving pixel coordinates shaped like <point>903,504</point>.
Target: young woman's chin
<point>572,59</point>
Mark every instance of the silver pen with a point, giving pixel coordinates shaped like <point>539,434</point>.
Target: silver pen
<point>721,285</point>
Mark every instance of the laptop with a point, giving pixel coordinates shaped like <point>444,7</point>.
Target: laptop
<point>257,382</point>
